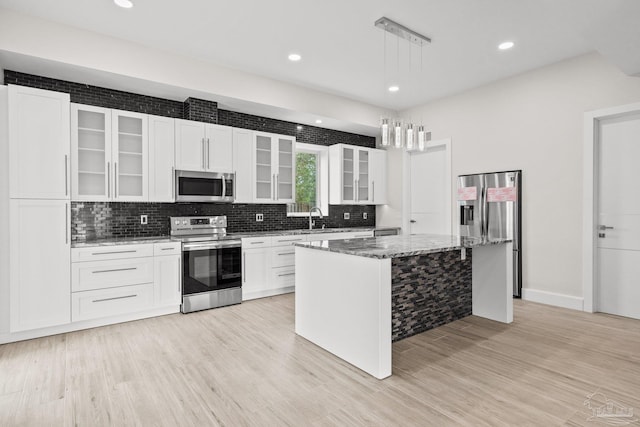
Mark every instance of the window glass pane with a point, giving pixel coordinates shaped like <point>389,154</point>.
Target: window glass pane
<point>306,182</point>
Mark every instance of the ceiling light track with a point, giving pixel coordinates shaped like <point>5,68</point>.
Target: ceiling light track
<point>401,31</point>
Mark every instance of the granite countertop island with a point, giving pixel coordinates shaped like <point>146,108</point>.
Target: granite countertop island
<point>400,246</point>
<point>355,297</point>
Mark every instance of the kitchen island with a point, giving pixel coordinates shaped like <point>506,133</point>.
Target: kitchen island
<point>355,297</point>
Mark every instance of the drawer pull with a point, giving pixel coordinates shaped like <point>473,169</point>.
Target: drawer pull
<point>287,253</point>
<point>114,252</point>
<point>168,249</point>
<point>290,240</point>
<point>115,269</point>
<point>286,274</point>
<point>256,243</point>
<point>114,298</point>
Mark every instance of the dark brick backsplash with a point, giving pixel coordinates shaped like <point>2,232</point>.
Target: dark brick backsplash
<point>97,220</point>
<point>428,291</point>
<point>101,219</point>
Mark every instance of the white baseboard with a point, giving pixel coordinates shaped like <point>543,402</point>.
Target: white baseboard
<point>246,296</point>
<point>552,298</point>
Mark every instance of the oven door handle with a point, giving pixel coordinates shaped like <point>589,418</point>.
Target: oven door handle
<point>187,247</point>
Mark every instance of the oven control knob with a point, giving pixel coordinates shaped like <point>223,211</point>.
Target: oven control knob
<point>177,222</point>
<point>184,222</point>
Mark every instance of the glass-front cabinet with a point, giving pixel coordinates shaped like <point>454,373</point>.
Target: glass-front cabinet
<point>357,175</point>
<point>274,162</point>
<point>109,154</point>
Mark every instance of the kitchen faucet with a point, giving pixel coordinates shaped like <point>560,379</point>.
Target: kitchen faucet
<point>315,208</point>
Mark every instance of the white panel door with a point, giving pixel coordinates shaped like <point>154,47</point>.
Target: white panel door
<point>39,145</point>
<point>190,145</point>
<point>431,190</point>
<point>619,212</point>
<point>161,159</point>
<point>219,154</point>
<point>39,264</point>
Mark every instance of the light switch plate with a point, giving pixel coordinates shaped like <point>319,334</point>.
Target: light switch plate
<point>347,215</point>
<point>259,217</point>
<point>143,220</point>
<point>365,215</point>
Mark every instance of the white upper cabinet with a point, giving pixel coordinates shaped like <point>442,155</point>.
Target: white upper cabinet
<point>161,159</point>
<point>242,165</point>
<point>130,156</point>
<point>354,174</point>
<point>274,168</point>
<point>110,154</point>
<point>203,147</point>
<point>39,146</point>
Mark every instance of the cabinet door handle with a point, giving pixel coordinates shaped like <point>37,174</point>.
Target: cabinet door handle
<point>66,175</point>
<point>114,298</point>
<point>114,270</point>
<point>203,166</point>
<point>373,191</point>
<point>173,184</point>
<point>208,154</point>
<point>114,252</point>
<point>273,186</point>
<point>277,189</point>
<point>115,179</point>
<point>357,190</point>
<point>108,180</point>
<point>66,223</point>
<point>244,268</point>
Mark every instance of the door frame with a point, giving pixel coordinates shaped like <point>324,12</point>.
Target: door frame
<point>591,149</point>
<point>406,216</point>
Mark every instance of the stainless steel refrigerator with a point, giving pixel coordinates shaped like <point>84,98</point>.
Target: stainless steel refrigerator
<point>490,207</point>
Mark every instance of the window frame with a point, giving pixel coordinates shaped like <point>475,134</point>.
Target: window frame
<point>322,178</point>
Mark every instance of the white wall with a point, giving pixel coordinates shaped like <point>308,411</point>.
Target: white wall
<point>33,37</point>
<point>531,122</point>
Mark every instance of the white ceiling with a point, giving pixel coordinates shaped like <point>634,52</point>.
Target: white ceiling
<point>343,53</point>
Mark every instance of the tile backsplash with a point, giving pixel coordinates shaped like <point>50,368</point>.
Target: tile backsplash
<point>97,220</point>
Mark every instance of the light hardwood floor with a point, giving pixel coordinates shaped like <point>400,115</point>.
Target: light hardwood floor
<point>244,365</point>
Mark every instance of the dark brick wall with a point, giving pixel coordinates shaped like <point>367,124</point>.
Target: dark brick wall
<point>200,110</point>
<point>96,220</point>
<point>306,134</point>
<point>428,291</point>
<point>99,96</point>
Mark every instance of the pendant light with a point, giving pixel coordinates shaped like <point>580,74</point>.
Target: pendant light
<point>411,137</point>
<point>397,134</point>
<point>385,133</point>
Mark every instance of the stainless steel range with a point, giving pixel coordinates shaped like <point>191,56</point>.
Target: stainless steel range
<point>211,262</point>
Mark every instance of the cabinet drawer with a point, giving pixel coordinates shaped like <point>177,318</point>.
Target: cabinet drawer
<point>326,236</point>
<point>287,240</point>
<point>283,277</point>
<point>169,248</point>
<point>256,242</point>
<point>283,256</point>
<point>109,274</point>
<point>111,302</point>
<point>360,235</point>
<point>99,253</point>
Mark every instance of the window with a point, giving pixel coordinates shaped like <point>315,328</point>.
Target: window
<point>312,180</point>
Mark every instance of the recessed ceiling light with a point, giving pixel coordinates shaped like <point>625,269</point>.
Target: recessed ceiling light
<point>394,88</point>
<point>318,121</point>
<point>505,45</point>
<point>294,57</point>
<point>127,4</point>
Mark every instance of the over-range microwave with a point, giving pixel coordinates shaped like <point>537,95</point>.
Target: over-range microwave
<point>204,186</point>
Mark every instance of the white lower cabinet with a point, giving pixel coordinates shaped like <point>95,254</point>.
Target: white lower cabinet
<point>110,281</point>
<point>268,263</point>
<point>39,264</point>
<point>167,275</point>
<point>111,301</point>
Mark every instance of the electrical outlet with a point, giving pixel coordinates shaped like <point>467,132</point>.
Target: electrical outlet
<point>144,220</point>
<point>365,215</point>
<point>347,215</point>
<point>259,217</point>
